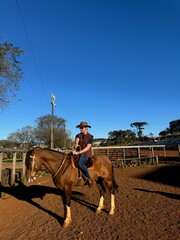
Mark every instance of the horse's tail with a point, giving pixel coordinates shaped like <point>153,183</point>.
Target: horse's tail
<point>115,185</point>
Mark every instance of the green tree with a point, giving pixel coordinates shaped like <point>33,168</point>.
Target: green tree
<point>23,137</point>
<point>43,131</point>
<point>139,127</point>
<point>119,137</point>
<point>174,127</point>
<point>8,144</point>
<point>40,135</point>
<point>164,132</point>
<point>151,134</point>
<point>10,73</point>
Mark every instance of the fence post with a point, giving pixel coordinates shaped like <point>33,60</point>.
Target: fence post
<point>1,157</point>
<point>13,170</point>
<point>139,156</point>
<point>108,152</point>
<point>157,160</point>
<point>24,166</point>
<point>123,161</point>
<point>164,151</point>
<point>152,155</point>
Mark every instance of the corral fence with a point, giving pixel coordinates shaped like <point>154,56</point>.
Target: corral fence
<point>9,174</point>
<point>122,156</point>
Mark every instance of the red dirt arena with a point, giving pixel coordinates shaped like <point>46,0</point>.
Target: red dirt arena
<point>147,208</point>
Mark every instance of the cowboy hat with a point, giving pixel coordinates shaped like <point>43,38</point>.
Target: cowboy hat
<point>83,124</point>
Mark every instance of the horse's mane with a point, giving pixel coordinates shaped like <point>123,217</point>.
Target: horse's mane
<point>68,159</point>
<point>27,161</point>
<point>30,150</point>
<point>51,150</point>
<point>48,149</point>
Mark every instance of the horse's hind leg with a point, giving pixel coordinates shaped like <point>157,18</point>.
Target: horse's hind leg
<point>101,187</point>
<point>111,212</point>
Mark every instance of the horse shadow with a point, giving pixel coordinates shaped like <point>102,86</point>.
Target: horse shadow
<point>169,195</point>
<point>168,175</point>
<point>28,193</point>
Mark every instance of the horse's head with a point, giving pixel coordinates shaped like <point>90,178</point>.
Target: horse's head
<point>33,165</point>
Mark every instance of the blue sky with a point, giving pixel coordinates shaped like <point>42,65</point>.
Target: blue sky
<point>110,63</point>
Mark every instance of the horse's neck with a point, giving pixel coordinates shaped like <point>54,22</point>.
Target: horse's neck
<point>53,163</point>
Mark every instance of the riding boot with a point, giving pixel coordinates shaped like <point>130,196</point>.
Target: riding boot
<point>79,174</point>
<point>90,183</point>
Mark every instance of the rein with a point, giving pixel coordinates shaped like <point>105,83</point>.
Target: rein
<point>60,167</point>
<point>33,163</point>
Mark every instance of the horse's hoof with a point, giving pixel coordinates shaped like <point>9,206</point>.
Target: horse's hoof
<point>111,212</point>
<point>98,211</point>
<point>66,224</point>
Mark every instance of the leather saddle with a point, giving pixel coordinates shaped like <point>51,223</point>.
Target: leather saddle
<point>75,160</point>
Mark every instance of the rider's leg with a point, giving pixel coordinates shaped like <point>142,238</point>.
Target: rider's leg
<point>82,160</point>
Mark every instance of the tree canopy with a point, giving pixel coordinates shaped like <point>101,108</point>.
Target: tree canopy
<point>40,135</point>
<point>139,126</point>
<point>43,130</point>
<point>23,136</point>
<point>174,127</point>
<point>120,137</point>
<point>10,73</point>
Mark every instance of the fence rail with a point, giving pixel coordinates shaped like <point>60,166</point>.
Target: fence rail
<point>12,173</point>
<point>119,155</point>
<point>135,155</point>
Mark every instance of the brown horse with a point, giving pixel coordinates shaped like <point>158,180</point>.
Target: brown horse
<point>65,175</point>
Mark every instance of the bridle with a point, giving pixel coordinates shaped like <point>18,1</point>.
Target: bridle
<point>33,173</point>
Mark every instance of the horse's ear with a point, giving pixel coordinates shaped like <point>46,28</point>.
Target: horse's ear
<point>29,148</point>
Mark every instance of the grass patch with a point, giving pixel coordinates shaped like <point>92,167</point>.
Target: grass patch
<point>44,174</point>
<point>9,160</point>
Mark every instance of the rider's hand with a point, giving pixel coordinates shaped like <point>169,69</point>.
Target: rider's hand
<point>75,153</point>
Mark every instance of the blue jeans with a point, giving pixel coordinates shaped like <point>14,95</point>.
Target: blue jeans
<point>82,160</point>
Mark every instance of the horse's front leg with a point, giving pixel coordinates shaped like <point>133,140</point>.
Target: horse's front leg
<point>101,204</point>
<point>101,191</point>
<point>67,203</point>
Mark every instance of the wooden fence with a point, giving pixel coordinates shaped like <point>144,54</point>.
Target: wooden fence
<point>134,155</point>
<point>5,174</point>
<point>120,156</point>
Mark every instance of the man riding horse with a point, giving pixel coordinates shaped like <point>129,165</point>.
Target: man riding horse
<point>84,140</point>
<point>65,176</point>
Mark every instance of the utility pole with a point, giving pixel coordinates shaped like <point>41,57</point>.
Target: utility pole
<point>52,124</point>
<point>65,134</point>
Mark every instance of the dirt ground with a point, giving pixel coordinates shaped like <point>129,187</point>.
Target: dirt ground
<point>147,207</point>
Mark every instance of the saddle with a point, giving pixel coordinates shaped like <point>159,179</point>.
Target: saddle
<point>75,160</point>
<point>82,180</point>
